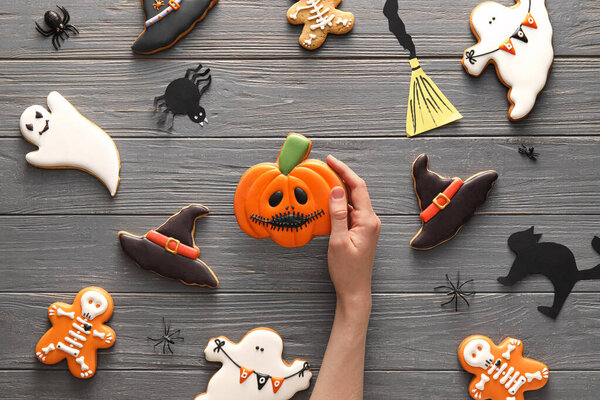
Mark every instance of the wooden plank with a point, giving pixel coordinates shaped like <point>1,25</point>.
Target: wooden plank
<point>408,332</point>
<point>379,385</point>
<point>162,175</point>
<point>254,98</point>
<point>259,29</point>
<point>39,253</point>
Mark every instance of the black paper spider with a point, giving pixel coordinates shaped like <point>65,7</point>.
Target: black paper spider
<point>456,291</point>
<point>183,97</point>
<point>529,152</point>
<point>168,338</point>
<point>58,26</point>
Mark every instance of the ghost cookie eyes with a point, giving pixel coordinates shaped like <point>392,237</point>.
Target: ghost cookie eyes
<point>518,41</point>
<point>287,201</point>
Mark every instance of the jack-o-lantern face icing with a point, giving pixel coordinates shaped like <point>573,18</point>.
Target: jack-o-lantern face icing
<point>500,372</point>
<point>288,200</point>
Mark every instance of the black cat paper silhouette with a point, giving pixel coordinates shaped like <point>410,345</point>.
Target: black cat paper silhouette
<point>555,261</point>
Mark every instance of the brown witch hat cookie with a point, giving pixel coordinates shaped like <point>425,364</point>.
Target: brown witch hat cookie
<point>446,203</point>
<point>167,21</point>
<point>170,250</point>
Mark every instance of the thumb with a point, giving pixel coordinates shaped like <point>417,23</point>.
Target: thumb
<point>338,211</point>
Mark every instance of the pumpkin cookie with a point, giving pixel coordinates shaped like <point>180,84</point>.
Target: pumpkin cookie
<point>287,201</point>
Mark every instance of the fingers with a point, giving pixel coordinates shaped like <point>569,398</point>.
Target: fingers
<point>358,188</point>
<point>338,211</point>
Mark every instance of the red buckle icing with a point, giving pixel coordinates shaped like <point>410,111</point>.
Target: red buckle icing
<point>172,245</point>
<point>441,201</point>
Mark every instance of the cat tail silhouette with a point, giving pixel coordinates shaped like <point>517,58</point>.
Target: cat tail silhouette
<point>593,273</point>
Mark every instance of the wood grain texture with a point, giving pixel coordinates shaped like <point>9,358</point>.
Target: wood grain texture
<point>406,332</point>
<point>162,175</point>
<point>58,385</point>
<point>85,250</point>
<point>259,29</point>
<point>319,98</point>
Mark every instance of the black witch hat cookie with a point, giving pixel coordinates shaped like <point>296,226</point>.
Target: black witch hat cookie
<point>167,21</point>
<point>170,250</point>
<point>446,203</point>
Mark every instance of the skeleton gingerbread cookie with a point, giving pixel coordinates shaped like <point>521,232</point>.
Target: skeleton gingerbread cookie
<point>249,366</point>
<point>320,17</point>
<point>501,372</point>
<point>518,41</point>
<point>66,139</point>
<point>78,331</point>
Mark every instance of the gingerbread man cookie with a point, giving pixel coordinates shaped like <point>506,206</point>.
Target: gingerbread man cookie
<point>254,369</point>
<point>320,17</point>
<point>78,331</point>
<point>501,372</point>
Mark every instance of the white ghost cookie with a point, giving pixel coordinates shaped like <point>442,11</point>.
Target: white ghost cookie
<point>254,369</point>
<point>66,139</point>
<point>518,41</point>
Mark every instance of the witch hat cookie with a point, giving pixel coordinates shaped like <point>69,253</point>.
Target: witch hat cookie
<point>170,250</point>
<point>446,203</point>
<point>167,21</point>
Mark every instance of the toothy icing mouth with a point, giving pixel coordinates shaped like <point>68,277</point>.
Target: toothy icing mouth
<point>289,220</point>
<point>46,127</point>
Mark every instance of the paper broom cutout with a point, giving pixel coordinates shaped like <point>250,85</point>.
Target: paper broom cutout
<point>428,108</point>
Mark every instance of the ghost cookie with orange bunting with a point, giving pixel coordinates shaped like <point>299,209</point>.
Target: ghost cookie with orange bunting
<point>287,201</point>
<point>500,372</point>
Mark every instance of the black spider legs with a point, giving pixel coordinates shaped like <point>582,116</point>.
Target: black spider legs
<point>42,31</point>
<point>456,291</point>
<point>66,16</point>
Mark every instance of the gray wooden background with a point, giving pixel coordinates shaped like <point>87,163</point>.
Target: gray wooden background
<point>58,229</point>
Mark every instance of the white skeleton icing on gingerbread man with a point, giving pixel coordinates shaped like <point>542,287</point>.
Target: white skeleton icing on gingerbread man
<point>254,369</point>
<point>319,17</point>
<point>501,372</point>
<point>78,331</point>
<point>518,41</point>
<point>66,139</point>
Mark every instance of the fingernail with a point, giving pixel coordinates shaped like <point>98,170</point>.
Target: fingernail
<point>337,193</point>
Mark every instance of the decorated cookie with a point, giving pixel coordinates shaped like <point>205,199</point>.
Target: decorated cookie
<point>254,369</point>
<point>428,108</point>
<point>319,17</point>
<point>167,21</point>
<point>518,41</point>
<point>78,331</point>
<point>287,201</point>
<point>500,372</point>
<point>66,139</point>
<point>170,250</point>
<point>446,203</point>
<point>182,96</point>
<point>555,261</point>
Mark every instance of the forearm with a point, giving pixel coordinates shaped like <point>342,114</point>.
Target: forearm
<point>342,371</point>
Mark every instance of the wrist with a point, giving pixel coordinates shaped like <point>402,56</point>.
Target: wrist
<point>354,307</point>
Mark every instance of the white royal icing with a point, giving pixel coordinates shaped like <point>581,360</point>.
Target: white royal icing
<point>261,351</point>
<point>69,140</point>
<point>526,71</point>
<point>320,14</point>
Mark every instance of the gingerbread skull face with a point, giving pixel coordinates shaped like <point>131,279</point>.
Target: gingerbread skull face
<point>477,353</point>
<point>93,303</point>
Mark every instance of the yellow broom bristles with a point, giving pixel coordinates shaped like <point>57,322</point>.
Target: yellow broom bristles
<point>428,108</point>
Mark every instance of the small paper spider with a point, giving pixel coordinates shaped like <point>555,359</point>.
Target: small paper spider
<point>183,97</point>
<point>529,152</point>
<point>168,338</point>
<point>456,291</point>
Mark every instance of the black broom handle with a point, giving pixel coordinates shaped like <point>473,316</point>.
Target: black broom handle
<point>390,10</point>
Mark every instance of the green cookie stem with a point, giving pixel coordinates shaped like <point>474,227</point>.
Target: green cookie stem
<point>294,150</point>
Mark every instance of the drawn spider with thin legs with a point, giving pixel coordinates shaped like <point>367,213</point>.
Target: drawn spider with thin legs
<point>58,26</point>
<point>456,291</point>
<point>182,96</point>
<point>168,338</point>
<point>529,152</point>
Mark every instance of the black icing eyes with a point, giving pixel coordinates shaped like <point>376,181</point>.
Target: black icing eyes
<point>301,196</point>
<point>259,348</point>
<point>29,127</point>
<point>275,198</point>
<point>38,115</point>
<point>492,20</point>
